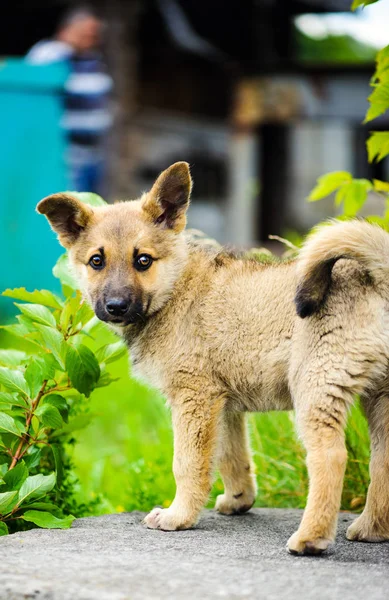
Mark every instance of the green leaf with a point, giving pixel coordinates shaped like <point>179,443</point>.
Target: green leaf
<point>378,145</point>
<point>47,520</point>
<point>358,3</point>
<point>36,486</point>
<point>54,342</point>
<point>89,198</point>
<point>78,422</point>
<point>15,477</point>
<point>49,415</point>
<point>12,399</point>
<point>379,101</point>
<point>5,501</point>
<point>31,336</point>
<point>105,378</point>
<point>71,307</point>
<point>49,365</point>
<point>76,313</point>
<point>111,352</point>
<point>353,195</point>
<point>83,315</point>
<point>16,329</point>
<point>33,457</point>
<point>4,404</point>
<point>13,380</point>
<point>9,425</point>
<point>3,529</point>
<point>39,369</point>
<point>59,402</point>
<point>37,313</point>
<point>94,327</point>
<point>37,296</point>
<point>57,454</point>
<point>62,271</point>
<point>35,425</point>
<point>20,331</point>
<point>83,368</point>
<point>12,358</point>
<point>326,184</point>
<point>34,376</point>
<point>380,186</point>
<point>40,506</point>
<point>376,220</point>
<point>382,66</point>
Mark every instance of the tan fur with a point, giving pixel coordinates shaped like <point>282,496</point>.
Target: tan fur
<point>219,336</point>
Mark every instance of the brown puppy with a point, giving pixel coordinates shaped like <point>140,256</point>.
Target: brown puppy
<point>220,336</point>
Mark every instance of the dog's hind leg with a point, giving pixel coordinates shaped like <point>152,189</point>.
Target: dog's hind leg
<point>373,524</point>
<point>321,421</point>
<point>196,413</point>
<point>235,465</point>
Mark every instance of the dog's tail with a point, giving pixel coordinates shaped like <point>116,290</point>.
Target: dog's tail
<point>360,240</point>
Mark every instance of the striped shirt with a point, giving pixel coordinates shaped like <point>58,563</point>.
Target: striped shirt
<point>87,116</point>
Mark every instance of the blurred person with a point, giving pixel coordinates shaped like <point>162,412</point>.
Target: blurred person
<point>87,117</point>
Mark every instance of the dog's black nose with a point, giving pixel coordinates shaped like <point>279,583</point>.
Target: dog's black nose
<point>117,307</point>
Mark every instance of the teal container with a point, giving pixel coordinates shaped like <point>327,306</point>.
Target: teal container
<point>32,165</point>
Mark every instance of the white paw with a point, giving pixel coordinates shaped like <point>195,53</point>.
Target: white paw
<point>166,519</point>
<point>234,505</point>
<point>302,545</point>
<point>361,530</point>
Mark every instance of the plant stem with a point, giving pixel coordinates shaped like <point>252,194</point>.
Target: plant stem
<point>58,389</point>
<point>24,439</point>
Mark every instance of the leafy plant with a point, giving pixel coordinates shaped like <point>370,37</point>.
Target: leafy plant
<point>43,400</point>
<point>351,193</point>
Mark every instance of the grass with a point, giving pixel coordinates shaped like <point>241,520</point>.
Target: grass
<point>125,455</point>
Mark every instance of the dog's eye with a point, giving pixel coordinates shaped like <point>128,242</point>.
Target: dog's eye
<point>96,261</point>
<point>143,262</point>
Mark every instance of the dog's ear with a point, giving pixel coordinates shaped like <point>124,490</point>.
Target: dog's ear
<point>67,215</point>
<point>168,199</point>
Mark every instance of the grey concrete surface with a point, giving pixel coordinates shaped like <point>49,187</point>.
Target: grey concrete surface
<point>114,558</point>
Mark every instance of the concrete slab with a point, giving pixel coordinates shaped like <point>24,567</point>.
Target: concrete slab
<point>114,557</point>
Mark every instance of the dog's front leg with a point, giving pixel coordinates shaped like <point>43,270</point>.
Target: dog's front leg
<point>195,424</point>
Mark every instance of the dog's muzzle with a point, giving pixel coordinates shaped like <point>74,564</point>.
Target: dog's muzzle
<point>119,310</point>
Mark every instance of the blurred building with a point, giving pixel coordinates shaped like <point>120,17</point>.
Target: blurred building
<point>228,86</point>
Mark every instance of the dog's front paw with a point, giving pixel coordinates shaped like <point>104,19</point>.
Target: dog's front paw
<point>166,519</point>
<point>364,530</point>
<point>234,505</point>
<point>302,545</point>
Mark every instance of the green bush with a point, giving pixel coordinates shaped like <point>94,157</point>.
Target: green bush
<point>44,387</point>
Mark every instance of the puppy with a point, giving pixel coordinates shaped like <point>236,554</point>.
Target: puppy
<point>221,335</point>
